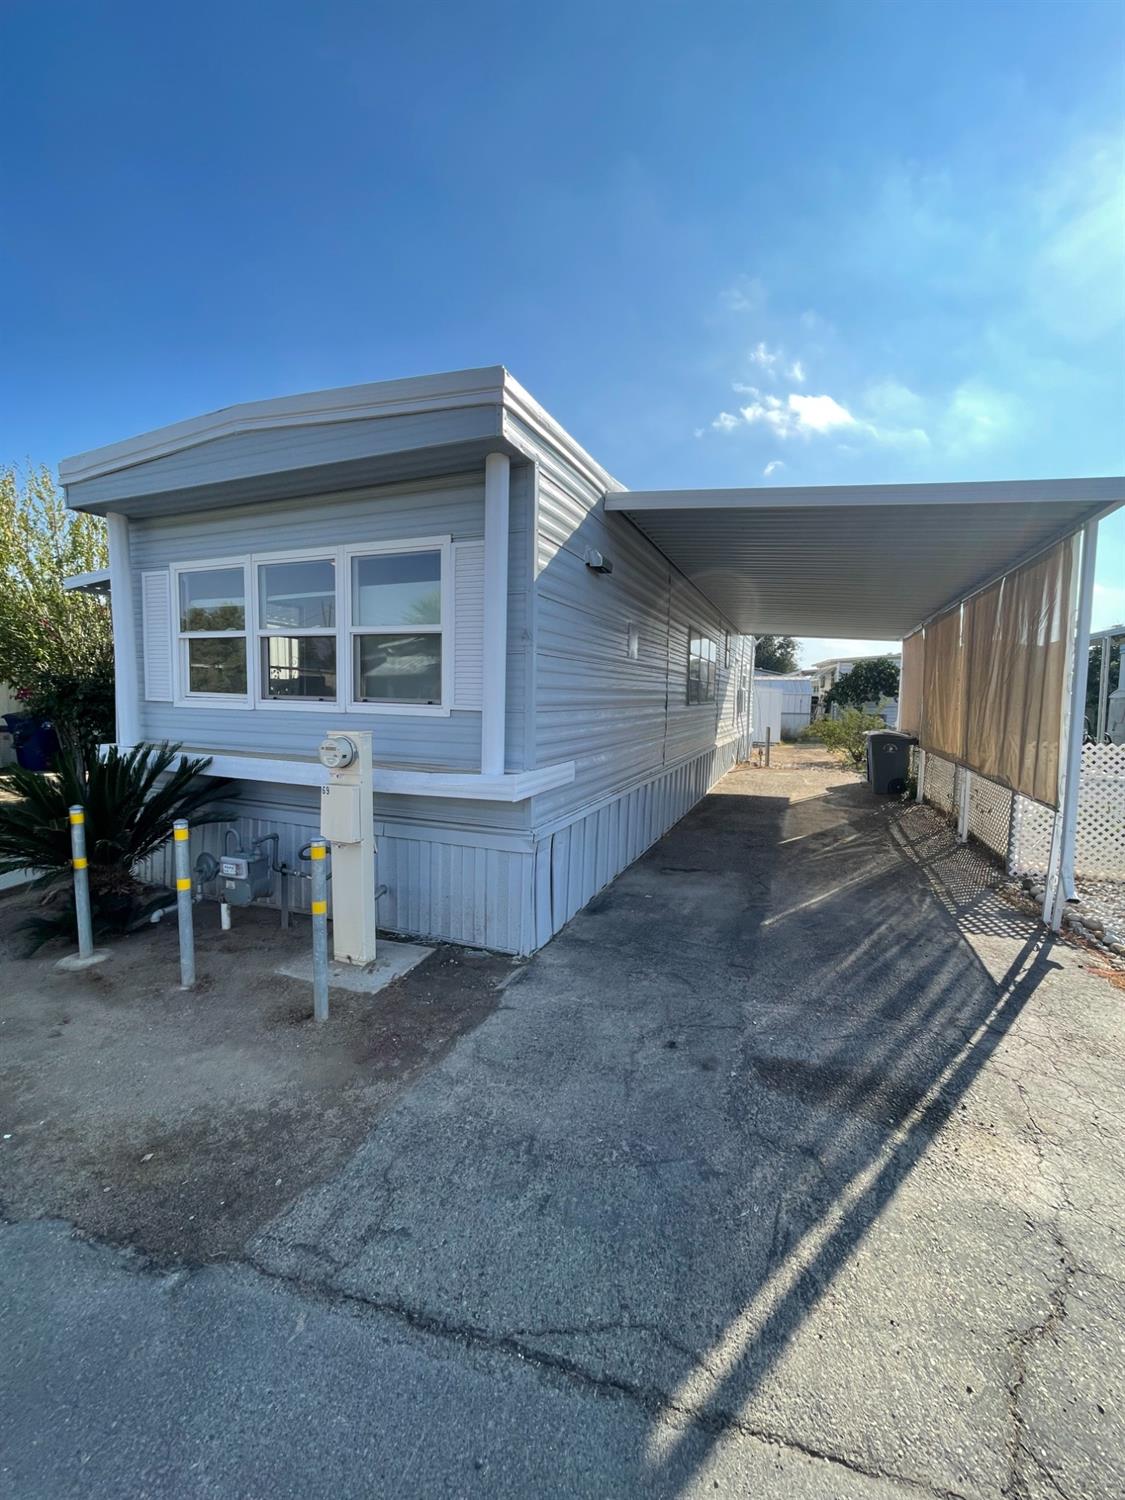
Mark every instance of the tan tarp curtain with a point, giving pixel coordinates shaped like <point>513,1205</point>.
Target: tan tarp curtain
<point>993,676</point>
<point>910,684</point>
<point>943,687</point>
<point>1018,634</point>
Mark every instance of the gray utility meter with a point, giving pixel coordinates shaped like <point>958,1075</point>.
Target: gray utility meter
<point>244,876</point>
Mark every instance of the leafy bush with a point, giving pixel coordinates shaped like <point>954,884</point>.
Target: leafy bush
<point>868,682</point>
<point>56,647</point>
<point>131,798</point>
<point>845,736</point>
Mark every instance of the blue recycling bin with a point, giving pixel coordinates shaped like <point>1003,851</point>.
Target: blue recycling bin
<point>35,741</point>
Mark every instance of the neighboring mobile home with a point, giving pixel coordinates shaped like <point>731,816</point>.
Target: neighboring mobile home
<point>430,559</point>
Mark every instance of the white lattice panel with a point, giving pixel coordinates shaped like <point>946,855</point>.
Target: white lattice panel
<point>1100,841</point>
<point>941,783</point>
<point>990,814</point>
<point>1033,825</point>
<point>1099,848</point>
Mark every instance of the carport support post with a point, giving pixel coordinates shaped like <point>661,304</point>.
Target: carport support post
<point>1070,759</point>
<point>182,849</point>
<point>767,744</point>
<point>318,851</point>
<point>965,809</point>
<point>81,882</point>
<point>920,777</point>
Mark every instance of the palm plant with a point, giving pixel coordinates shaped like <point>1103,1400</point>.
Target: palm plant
<point>131,798</point>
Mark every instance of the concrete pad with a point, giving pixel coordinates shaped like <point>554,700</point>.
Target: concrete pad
<point>75,963</point>
<point>392,962</point>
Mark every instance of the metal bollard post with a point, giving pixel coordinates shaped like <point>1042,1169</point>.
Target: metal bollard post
<point>767,744</point>
<point>182,850</point>
<point>318,852</point>
<point>81,882</point>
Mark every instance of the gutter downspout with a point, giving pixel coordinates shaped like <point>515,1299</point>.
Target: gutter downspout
<point>126,682</point>
<point>497,499</point>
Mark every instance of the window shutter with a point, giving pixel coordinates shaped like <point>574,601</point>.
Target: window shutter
<point>156,627</point>
<point>468,624</point>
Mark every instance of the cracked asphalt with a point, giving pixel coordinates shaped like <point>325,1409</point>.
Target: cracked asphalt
<point>791,1168</point>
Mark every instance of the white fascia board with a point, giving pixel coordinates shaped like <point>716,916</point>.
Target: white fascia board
<point>1108,490</point>
<point>523,405</point>
<point>383,398</point>
<point>512,786</point>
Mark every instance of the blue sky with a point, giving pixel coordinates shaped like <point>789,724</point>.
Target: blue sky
<point>834,242</point>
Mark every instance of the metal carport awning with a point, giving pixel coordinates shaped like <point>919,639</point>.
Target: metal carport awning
<point>859,561</point>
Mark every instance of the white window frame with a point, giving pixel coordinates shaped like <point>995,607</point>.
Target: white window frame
<point>698,630</point>
<point>298,705</point>
<point>183,697</point>
<point>442,545</point>
<point>345,652</point>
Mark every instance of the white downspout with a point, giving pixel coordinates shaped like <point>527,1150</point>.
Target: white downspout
<point>497,481</point>
<point>127,693</point>
<point>1071,758</point>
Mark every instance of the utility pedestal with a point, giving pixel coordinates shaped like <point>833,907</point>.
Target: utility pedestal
<point>347,821</point>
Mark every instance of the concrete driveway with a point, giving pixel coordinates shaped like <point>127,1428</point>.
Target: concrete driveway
<point>791,1168</point>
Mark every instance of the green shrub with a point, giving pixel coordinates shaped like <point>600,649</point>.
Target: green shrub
<point>845,736</point>
<point>131,798</point>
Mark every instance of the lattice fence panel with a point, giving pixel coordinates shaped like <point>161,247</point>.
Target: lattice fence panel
<point>940,788</point>
<point>1099,851</point>
<point>1100,834</point>
<point>990,815</point>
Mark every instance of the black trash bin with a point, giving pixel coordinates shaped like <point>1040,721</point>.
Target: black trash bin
<point>888,760</point>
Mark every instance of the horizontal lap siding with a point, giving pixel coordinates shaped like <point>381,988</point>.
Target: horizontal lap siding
<point>622,721</point>
<point>643,755</point>
<point>453,507</point>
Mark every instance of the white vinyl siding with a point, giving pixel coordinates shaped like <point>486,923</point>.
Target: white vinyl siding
<point>156,619</point>
<point>468,604</point>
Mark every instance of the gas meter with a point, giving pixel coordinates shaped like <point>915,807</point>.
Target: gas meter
<point>244,876</point>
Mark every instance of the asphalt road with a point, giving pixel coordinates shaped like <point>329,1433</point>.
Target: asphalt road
<point>792,1168</point>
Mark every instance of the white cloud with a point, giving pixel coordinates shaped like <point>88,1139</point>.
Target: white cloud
<point>746,294</point>
<point>819,413</point>
<point>797,415</point>
<point>797,372</point>
<point>979,416</point>
<point>764,357</point>
<point>772,467</point>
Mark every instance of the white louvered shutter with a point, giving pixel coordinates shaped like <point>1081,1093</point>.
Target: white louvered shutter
<point>156,625</point>
<point>468,624</point>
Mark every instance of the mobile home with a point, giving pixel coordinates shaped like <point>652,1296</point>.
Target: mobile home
<point>432,560</point>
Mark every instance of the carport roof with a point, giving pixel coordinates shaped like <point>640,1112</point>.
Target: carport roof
<point>862,561</point>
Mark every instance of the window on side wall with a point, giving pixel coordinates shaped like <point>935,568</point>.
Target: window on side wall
<point>703,659</point>
<point>297,630</point>
<point>211,605</point>
<point>396,627</point>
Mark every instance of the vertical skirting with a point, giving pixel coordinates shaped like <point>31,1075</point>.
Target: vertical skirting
<point>575,862</point>
<point>454,893</point>
<point>510,900</point>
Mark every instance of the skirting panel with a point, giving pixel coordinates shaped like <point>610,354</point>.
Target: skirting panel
<point>575,862</point>
<point>455,893</point>
<point>510,900</point>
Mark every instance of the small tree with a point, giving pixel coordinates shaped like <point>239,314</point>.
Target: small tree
<point>56,647</point>
<point>845,736</point>
<point>775,653</point>
<point>867,682</point>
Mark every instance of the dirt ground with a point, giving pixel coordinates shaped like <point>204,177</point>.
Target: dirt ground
<point>180,1123</point>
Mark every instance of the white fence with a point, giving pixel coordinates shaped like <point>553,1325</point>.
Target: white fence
<point>1019,831</point>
